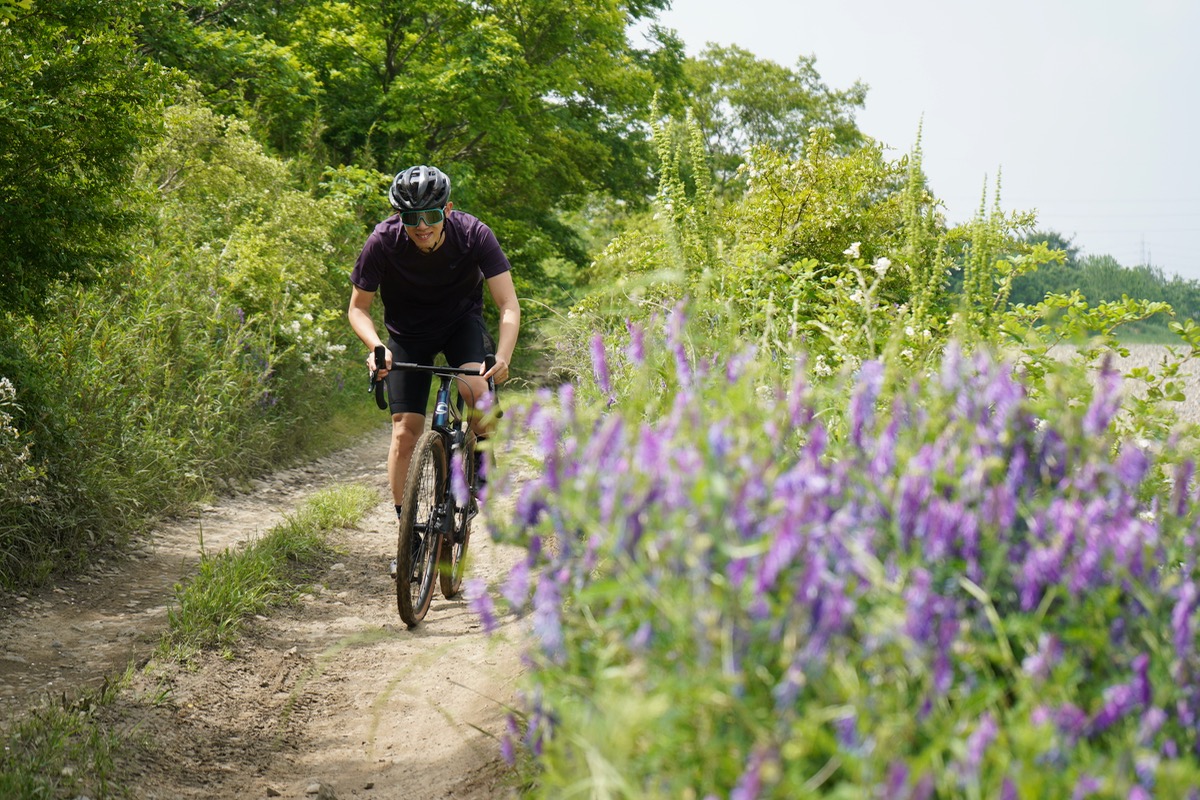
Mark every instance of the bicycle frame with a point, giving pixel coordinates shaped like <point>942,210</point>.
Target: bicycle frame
<point>435,530</point>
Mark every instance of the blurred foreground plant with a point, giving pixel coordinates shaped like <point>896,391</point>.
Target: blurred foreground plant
<point>743,584</point>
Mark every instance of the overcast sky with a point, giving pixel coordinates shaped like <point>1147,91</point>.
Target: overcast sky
<point>1089,109</point>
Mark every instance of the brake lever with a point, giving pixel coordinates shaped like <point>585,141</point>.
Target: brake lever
<point>377,385</point>
<point>489,361</point>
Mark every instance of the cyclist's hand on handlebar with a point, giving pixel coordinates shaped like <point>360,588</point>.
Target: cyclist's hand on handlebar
<point>379,370</point>
<point>498,372</point>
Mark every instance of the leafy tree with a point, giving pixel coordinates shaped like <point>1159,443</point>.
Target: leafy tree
<point>1057,241</point>
<point>72,112</point>
<point>10,8</point>
<point>534,102</point>
<point>238,66</point>
<point>742,101</point>
<point>816,204</point>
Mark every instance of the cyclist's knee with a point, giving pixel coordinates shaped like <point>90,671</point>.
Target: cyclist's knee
<point>406,429</point>
<point>475,389</point>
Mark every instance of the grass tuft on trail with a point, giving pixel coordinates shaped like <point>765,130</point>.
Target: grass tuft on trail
<point>233,585</point>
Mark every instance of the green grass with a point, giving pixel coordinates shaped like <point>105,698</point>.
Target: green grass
<point>60,750</point>
<point>233,585</point>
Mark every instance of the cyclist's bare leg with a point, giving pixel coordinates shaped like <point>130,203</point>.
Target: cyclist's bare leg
<point>406,429</point>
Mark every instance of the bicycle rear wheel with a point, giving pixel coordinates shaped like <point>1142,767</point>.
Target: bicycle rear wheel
<point>420,539</point>
<point>454,550</point>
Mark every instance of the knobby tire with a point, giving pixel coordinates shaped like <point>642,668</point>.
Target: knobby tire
<point>423,493</point>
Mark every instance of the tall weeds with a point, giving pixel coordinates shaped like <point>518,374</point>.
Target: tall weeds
<point>210,356</point>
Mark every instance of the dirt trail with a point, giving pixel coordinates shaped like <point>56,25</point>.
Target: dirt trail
<point>332,693</point>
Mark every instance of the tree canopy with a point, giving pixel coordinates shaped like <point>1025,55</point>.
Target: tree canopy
<point>73,109</point>
<point>742,101</point>
<point>535,103</point>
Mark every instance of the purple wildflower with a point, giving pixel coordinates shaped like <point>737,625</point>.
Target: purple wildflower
<point>516,586</point>
<point>1040,664</point>
<point>1106,401</point>
<point>600,364</point>
<point>508,740</point>
<point>675,339</point>
<point>800,410</point>
<point>547,603</point>
<point>1152,722</point>
<point>531,502</point>
<point>847,732</point>
<point>897,778</point>
<point>916,487</point>
<point>785,546</point>
<point>952,368</point>
<point>1070,720</point>
<point>1119,700</point>
<point>481,603</point>
<point>750,784</point>
<point>458,479</point>
<point>941,523</point>
<point>1086,786</point>
<point>1143,690</point>
<point>1131,466</point>
<point>566,401</point>
<point>642,636</point>
<point>636,351</point>
<point>719,440</point>
<point>605,449</point>
<point>1183,478</point>
<point>921,603</point>
<point>1052,456</point>
<point>1181,620</point>
<point>736,366</point>
<point>535,731</point>
<point>943,665</point>
<point>884,460</point>
<point>862,404</point>
<point>653,450</point>
<point>924,788</point>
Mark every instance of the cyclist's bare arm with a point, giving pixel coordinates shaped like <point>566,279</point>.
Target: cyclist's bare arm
<point>359,314</point>
<point>505,296</point>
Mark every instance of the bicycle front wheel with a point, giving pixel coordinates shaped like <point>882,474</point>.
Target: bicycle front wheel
<point>454,551</point>
<point>420,538</point>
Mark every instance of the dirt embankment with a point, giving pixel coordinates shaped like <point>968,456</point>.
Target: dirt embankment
<point>332,696</point>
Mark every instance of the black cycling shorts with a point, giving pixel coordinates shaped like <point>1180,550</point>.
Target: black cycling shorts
<point>466,343</point>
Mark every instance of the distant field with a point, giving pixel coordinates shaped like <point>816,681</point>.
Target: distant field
<point>1150,355</point>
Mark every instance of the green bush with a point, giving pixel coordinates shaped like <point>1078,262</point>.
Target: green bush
<point>212,353</point>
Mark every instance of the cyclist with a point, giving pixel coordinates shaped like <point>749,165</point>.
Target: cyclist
<point>429,264</point>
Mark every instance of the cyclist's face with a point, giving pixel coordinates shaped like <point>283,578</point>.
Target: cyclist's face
<point>427,237</point>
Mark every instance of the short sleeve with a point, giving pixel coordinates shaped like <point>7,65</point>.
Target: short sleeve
<point>368,273</point>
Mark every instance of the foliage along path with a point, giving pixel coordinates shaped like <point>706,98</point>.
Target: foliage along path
<point>331,695</point>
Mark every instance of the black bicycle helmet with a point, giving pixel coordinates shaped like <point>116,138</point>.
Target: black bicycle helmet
<point>418,188</point>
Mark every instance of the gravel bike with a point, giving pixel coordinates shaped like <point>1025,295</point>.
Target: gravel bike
<point>437,509</point>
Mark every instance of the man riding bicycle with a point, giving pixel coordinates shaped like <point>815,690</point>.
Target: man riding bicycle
<point>429,266</point>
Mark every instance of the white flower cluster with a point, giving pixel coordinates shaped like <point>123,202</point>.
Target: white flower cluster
<point>312,342</point>
<point>18,477</point>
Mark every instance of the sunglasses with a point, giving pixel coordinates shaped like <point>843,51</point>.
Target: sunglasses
<point>431,217</point>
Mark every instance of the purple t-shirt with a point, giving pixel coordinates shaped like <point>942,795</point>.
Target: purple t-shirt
<point>426,293</point>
